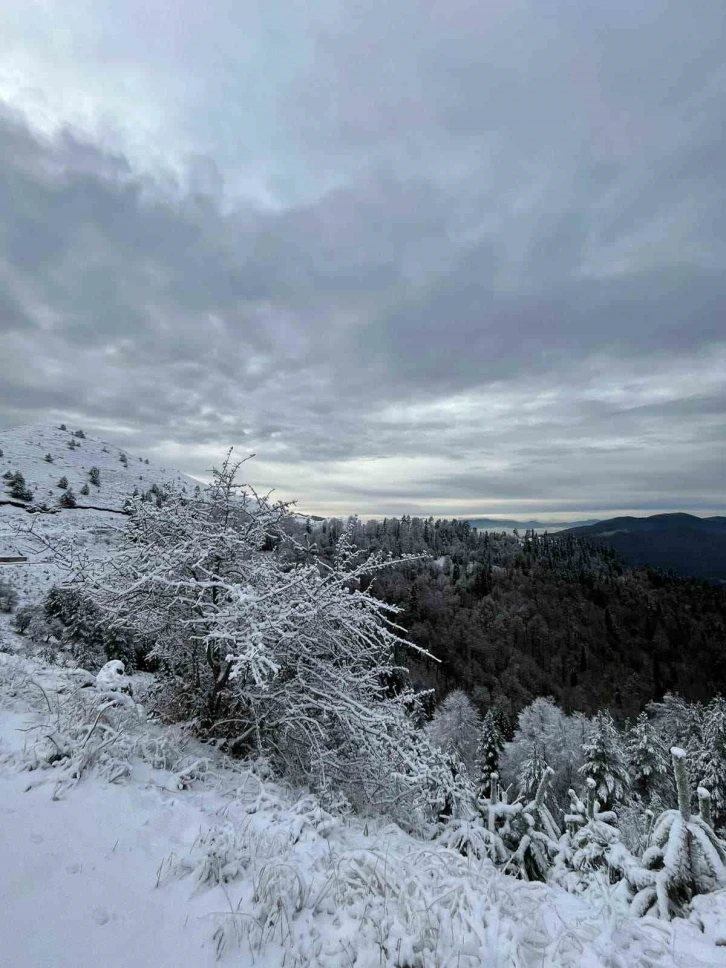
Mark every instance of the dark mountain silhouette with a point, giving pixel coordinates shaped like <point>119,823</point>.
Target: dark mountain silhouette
<point>507,524</point>
<point>682,543</point>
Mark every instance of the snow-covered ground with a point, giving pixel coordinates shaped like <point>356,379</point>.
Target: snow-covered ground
<point>24,450</point>
<point>127,843</point>
<point>124,842</point>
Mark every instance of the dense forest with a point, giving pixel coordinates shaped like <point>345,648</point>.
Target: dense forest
<point>513,617</point>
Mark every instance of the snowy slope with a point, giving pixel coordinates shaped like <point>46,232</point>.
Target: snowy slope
<point>92,526</point>
<point>164,854</point>
<point>24,450</point>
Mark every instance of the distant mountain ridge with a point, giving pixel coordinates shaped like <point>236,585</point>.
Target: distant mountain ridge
<point>679,542</point>
<point>508,524</point>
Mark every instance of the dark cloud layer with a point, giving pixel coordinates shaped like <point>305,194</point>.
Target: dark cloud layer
<point>458,259</point>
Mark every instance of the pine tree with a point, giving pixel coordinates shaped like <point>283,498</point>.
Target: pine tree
<point>63,483</point>
<point>710,761</point>
<point>94,475</point>
<point>647,758</point>
<point>85,490</point>
<point>488,750</point>
<point>533,769</point>
<point>605,762</point>
<point>67,499</point>
<point>18,490</point>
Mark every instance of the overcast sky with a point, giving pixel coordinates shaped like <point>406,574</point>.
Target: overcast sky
<point>459,258</point>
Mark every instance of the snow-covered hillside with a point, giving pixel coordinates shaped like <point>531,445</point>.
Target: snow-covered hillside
<point>120,473</point>
<point>128,843</point>
<point>93,525</point>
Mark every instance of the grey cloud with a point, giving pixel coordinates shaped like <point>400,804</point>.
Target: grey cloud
<point>470,201</point>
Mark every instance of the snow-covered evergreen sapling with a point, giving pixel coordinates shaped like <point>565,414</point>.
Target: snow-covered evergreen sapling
<point>685,857</point>
<point>67,499</point>
<point>533,836</point>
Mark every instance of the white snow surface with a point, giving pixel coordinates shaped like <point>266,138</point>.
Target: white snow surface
<point>143,847</point>
<point>24,450</point>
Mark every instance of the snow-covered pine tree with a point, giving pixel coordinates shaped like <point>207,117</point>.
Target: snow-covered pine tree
<point>455,727</point>
<point>67,499</point>
<point>533,769</point>
<point>488,750</point>
<point>710,759</point>
<point>605,762</point>
<point>647,758</point>
<point>679,723</point>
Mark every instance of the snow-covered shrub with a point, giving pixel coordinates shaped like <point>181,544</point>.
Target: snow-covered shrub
<point>73,619</point>
<point>8,597</point>
<point>23,617</point>
<point>111,678</point>
<point>296,660</point>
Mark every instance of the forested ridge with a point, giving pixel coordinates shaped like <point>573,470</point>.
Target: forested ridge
<point>514,617</point>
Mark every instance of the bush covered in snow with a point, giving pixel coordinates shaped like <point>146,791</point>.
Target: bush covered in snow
<point>293,660</point>
<point>8,597</point>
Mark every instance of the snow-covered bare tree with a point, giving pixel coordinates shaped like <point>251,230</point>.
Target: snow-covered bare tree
<point>291,660</point>
<point>455,727</point>
<point>558,739</point>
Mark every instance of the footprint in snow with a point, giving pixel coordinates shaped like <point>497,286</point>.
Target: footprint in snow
<point>101,915</point>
